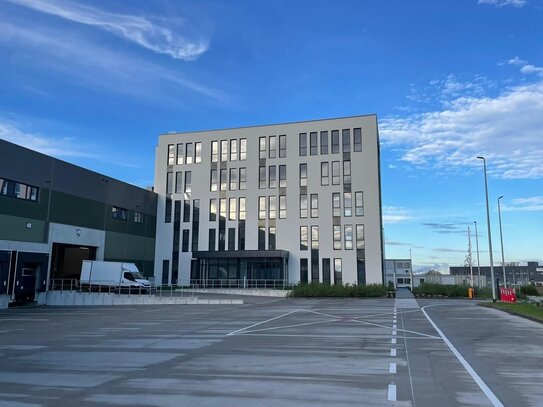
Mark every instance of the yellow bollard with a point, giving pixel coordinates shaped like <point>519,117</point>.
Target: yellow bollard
<point>470,293</point>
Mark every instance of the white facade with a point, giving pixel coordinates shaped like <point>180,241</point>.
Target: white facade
<point>399,272</point>
<point>354,251</point>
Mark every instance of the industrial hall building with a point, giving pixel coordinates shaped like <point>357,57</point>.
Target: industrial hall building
<point>270,205</point>
<point>54,215</point>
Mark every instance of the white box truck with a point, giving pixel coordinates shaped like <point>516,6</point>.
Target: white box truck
<point>112,276</point>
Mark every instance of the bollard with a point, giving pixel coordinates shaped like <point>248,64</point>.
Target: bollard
<point>470,293</point>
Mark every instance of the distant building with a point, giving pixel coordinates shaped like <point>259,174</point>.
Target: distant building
<point>532,273</point>
<point>399,272</point>
<point>54,215</point>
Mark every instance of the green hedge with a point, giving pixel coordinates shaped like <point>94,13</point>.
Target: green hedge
<point>338,290</point>
<point>528,290</point>
<point>453,291</point>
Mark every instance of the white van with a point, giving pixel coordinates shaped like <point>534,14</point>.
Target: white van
<point>113,276</point>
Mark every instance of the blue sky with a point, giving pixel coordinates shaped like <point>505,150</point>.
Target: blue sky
<point>94,83</point>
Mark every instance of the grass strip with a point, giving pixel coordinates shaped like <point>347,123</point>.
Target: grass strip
<point>338,290</point>
<point>522,309</point>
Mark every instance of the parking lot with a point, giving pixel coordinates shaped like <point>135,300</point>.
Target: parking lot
<point>271,352</point>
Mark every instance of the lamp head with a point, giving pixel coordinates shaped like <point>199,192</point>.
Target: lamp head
<point>480,158</point>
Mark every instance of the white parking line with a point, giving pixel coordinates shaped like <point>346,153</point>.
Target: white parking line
<point>392,368</point>
<point>262,322</point>
<point>393,341</point>
<point>482,385</point>
<point>393,352</point>
<point>391,392</point>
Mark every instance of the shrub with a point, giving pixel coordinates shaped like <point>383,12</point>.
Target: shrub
<point>528,290</point>
<point>453,291</point>
<point>337,290</point>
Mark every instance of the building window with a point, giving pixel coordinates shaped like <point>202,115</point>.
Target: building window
<point>282,146</point>
<point>180,154</point>
<point>261,238</point>
<point>359,203</point>
<point>242,214</point>
<point>314,205</point>
<point>222,237</point>
<point>261,207</point>
<point>185,243</point>
<point>214,151</point>
<point>273,147</point>
<point>231,238</point>
<point>188,181</point>
<point>195,224</point>
<point>211,241</point>
<point>272,176</point>
<point>120,213</point>
<point>272,207</point>
<point>304,275</point>
<point>337,237</point>
<point>303,206</point>
<point>347,204</point>
<point>303,237</point>
<point>168,211</point>
<point>303,175</point>
<point>169,182</point>
<point>232,207</point>
<point>213,181</point>
<point>360,237</point>
<point>326,271</point>
<point>222,209</point>
<point>223,179</point>
<point>233,150</point>
<point>282,206</point>
<point>314,237</point>
<point>18,190</point>
<point>302,142</point>
<point>262,147</point>
<point>336,204</point>
<point>282,176</point>
<point>224,150</point>
<point>271,238</point>
<point>313,143</point>
<point>262,177</point>
<point>198,153</point>
<point>138,217</point>
<point>233,179</point>
<point>189,153</point>
<point>338,278</point>
<point>325,174</point>
<point>357,134</point>
<point>186,210</point>
<point>243,149</point>
<point>335,172</point>
<point>324,142</point>
<point>178,182</point>
<point>348,236</point>
<point>242,178</point>
<point>346,172</point>
<point>241,236</point>
<point>171,154</point>
<point>346,139</point>
<point>212,209</point>
<point>335,141</point>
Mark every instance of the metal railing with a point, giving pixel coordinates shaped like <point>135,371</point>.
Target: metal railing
<point>241,284</point>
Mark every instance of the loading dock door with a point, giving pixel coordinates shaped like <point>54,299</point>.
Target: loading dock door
<point>67,259</point>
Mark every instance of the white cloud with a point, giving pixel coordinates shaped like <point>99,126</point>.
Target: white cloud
<point>507,130</point>
<point>532,204</point>
<point>394,214</point>
<point>57,146</point>
<point>149,33</point>
<point>95,65</point>
<point>525,67</point>
<point>502,3</point>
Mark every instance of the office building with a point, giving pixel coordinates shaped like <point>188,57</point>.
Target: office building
<point>270,204</point>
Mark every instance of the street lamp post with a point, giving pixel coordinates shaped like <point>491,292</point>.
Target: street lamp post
<point>501,241</point>
<point>489,233</point>
<point>478,261</point>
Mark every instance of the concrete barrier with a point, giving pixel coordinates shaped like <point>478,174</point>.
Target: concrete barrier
<point>4,301</point>
<point>72,298</point>
<point>262,292</point>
